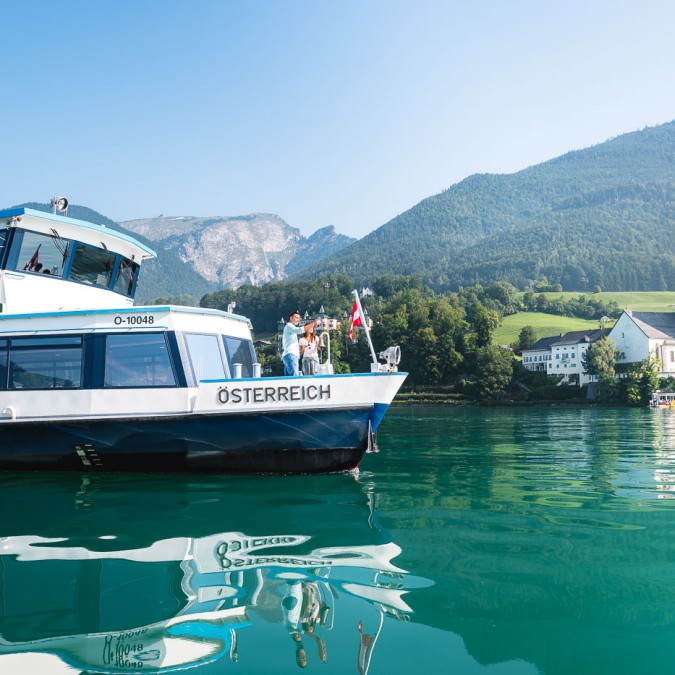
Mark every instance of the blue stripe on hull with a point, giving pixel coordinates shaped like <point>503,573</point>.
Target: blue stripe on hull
<point>308,442</point>
<point>378,413</point>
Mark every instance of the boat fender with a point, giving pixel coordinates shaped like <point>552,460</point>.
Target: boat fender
<point>10,412</point>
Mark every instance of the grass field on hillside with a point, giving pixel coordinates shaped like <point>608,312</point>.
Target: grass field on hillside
<point>648,301</point>
<point>545,325</point>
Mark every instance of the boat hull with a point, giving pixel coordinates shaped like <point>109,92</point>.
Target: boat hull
<point>308,441</point>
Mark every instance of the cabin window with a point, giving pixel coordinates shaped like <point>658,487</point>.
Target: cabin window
<point>3,246</point>
<point>3,363</point>
<point>42,254</point>
<point>138,360</point>
<point>239,351</point>
<point>92,265</point>
<point>45,363</point>
<point>127,271</point>
<point>205,356</point>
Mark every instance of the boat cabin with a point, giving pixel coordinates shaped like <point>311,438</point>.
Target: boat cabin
<point>149,346</point>
<point>41,251</point>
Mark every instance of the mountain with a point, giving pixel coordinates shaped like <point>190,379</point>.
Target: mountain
<point>234,251</point>
<point>164,276</point>
<point>603,216</point>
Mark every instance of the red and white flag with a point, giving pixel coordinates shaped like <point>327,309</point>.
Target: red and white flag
<point>356,321</point>
<point>366,644</point>
<point>34,260</point>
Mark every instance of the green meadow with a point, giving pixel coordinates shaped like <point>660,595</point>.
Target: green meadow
<point>547,325</point>
<point>648,301</point>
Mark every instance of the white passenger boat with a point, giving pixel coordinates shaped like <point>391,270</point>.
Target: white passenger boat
<point>90,381</point>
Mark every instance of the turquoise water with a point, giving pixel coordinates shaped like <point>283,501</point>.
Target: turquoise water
<point>477,541</point>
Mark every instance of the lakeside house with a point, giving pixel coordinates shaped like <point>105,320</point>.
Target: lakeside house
<point>639,334</point>
<point>636,336</point>
<point>562,355</point>
<point>537,356</point>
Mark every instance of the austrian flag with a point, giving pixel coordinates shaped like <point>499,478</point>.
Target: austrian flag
<point>30,265</point>
<point>356,321</point>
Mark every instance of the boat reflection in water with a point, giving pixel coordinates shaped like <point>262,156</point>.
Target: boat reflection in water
<point>116,574</point>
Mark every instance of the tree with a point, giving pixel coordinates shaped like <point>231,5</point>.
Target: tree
<point>527,337</point>
<point>600,359</point>
<point>542,304</point>
<point>448,322</point>
<point>642,381</point>
<point>494,369</point>
<point>649,382</point>
<point>529,301</point>
<point>387,286</point>
<point>430,331</point>
<point>485,321</point>
<point>506,296</point>
<point>270,361</point>
<point>608,388</point>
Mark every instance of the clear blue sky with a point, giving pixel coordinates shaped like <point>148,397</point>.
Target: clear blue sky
<point>346,112</point>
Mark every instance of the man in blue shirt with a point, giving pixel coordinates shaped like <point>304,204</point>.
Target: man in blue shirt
<point>289,341</point>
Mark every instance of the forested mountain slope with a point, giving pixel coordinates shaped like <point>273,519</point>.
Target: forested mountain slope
<point>603,216</point>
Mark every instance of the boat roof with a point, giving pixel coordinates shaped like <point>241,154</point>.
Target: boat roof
<point>81,230</point>
<point>137,309</point>
<point>123,319</point>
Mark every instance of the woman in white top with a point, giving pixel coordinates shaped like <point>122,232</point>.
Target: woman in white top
<point>309,348</point>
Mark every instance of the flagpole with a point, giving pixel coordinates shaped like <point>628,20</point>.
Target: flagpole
<point>377,635</point>
<point>365,324</point>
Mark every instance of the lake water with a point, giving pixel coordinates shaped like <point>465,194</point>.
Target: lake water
<point>500,541</point>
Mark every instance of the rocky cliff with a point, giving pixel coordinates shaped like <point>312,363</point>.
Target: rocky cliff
<point>233,251</point>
